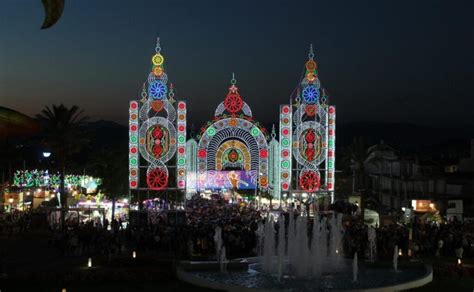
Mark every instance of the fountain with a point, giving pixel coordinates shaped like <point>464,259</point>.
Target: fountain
<point>371,236</point>
<point>302,254</point>
<point>395,258</point>
<point>307,254</point>
<point>220,248</point>
<point>355,268</point>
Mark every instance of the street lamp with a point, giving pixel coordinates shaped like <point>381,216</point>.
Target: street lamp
<point>46,154</point>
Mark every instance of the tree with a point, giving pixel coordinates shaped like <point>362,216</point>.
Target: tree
<point>112,167</point>
<point>64,135</point>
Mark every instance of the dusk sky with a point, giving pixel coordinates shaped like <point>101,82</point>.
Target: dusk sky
<point>391,61</point>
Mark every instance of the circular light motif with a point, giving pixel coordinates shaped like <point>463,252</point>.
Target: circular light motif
<point>309,180</point>
<point>284,186</point>
<point>157,59</point>
<point>133,184</point>
<point>285,109</point>
<point>157,90</point>
<point>255,131</point>
<point>211,131</point>
<point>285,164</point>
<point>133,105</point>
<point>310,94</point>
<point>181,161</point>
<point>263,153</point>
<point>157,179</point>
<point>181,105</point>
<point>310,65</point>
<point>202,153</point>
<point>233,103</point>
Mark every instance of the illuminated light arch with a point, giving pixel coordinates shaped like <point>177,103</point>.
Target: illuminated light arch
<point>240,129</point>
<point>225,132</point>
<point>230,145</point>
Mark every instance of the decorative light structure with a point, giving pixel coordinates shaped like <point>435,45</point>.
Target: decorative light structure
<point>181,153</point>
<point>157,132</point>
<point>191,166</point>
<point>233,143</point>
<point>233,140</point>
<point>50,180</point>
<point>285,147</point>
<point>274,166</point>
<point>313,134</point>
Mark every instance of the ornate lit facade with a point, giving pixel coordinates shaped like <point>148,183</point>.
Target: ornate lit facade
<point>232,150</point>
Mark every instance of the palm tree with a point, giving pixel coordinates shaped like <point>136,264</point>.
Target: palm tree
<point>63,134</point>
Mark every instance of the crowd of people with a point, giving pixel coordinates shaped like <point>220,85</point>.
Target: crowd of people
<point>194,236</point>
<point>450,239</point>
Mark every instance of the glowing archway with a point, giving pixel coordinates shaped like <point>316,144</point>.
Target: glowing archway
<point>233,153</point>
<point>233,141</point>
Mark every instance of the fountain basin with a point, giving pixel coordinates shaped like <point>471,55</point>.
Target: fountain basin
<point>241,278</point>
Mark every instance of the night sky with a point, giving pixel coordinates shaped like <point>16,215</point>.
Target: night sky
<point>390,61</point>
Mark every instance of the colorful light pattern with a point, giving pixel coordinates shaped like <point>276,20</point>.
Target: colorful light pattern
<point>285,146</point>
<point>331,148</point>
<point>44,179</point>
<point>311,94</point>
<point>235,141</point>
<point>181,154</point>
<point>157,131</point>
<point>133,170</point>
<point>314,134</point>
<point>274,166</point>
<point>191,167</point>
<point>157,90</point>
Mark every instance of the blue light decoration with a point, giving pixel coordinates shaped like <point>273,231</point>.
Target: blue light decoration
<point>311,94</point>
<point>157,90</point>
